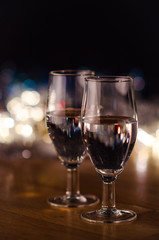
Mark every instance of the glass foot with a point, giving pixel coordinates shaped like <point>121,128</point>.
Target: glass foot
<point>73,201</point>
<point>109,216</point>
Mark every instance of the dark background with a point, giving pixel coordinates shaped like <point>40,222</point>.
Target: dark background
<point>114,37</point>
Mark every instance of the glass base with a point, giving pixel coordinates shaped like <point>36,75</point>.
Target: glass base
<point>73,201</point>
<point>109,216</point>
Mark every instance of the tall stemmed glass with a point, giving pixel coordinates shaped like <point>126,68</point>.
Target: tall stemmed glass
<point>63,120</point>
<point>109,127</point>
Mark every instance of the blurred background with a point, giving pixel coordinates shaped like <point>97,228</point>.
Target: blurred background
<point>114,37</point>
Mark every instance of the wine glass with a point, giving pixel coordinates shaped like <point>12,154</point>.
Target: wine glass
<point>63,119</point>
<point>109,128</point>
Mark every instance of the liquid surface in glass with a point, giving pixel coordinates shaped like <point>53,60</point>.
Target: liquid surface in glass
<point>109,141</point>
<point>64,129</point>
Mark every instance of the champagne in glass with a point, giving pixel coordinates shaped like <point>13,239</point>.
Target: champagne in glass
<point>109,126</point>
<point>63,120</point>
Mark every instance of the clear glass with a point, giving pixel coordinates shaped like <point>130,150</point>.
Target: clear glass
<point>63,119</point>
<point>109,128</point>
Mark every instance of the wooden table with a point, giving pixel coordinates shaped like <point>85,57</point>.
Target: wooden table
<point>25,185</point>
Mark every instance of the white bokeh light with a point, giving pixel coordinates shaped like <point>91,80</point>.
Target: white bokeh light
<point>26,130</point>
<point>31,98</point>
<point>145,138</point>
<point>37,114</point>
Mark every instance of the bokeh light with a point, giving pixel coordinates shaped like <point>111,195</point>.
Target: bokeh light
<point>31,98</point>
<point>26,130</point>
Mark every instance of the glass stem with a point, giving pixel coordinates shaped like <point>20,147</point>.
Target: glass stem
<point>108,200</point>
<point>72,188</point>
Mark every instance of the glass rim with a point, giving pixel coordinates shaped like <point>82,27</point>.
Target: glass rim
<point>111,78</point>
<point>72,72</point>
